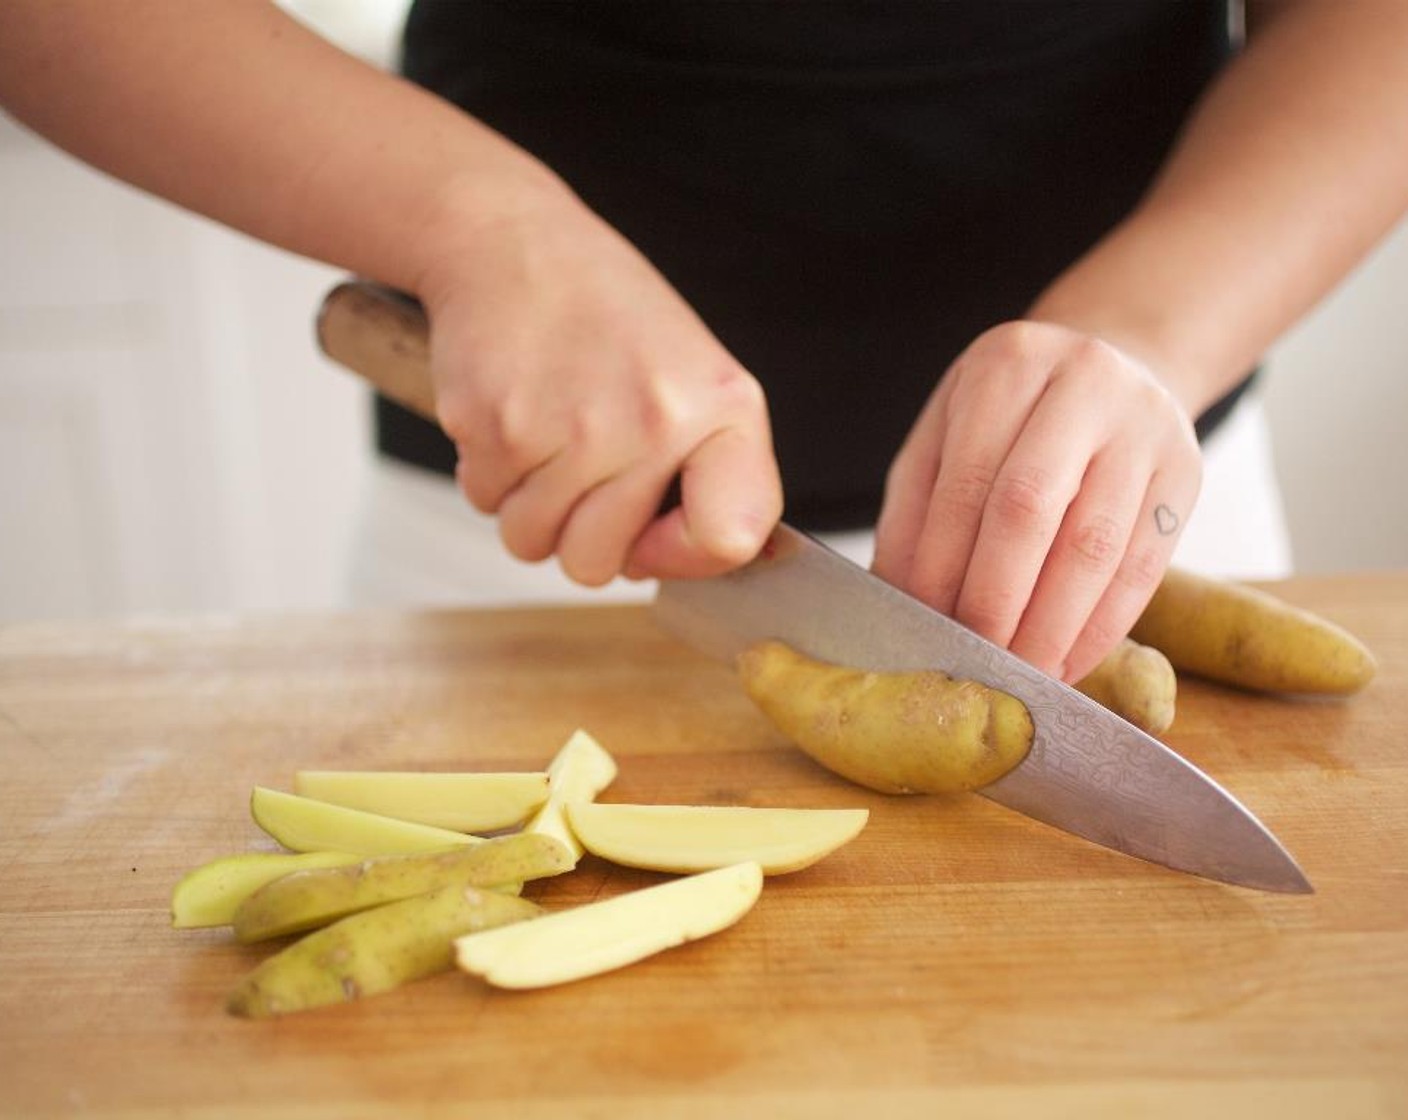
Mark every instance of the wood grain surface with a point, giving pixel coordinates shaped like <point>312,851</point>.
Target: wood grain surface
<point>955,956</point>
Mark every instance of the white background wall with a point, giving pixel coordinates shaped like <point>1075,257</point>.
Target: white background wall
<point>1337,395</point>
<point>171,441</point>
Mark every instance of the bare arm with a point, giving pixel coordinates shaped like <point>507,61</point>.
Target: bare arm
<point>1040,495</point>
<point>1294,165</point>
<point>235,110</point>
<point>574,381</point>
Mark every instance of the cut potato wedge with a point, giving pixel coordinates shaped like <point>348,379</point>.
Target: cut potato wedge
<point>374,951</point>
<point>687,838</point>
<point>465,802</point>
<point>210,895</point>
<point>305,825</point>
<point>601,936</point>
<point>308,899</point>
<point>580,771</point>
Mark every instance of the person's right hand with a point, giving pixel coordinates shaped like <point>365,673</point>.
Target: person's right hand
<point>576,385</point>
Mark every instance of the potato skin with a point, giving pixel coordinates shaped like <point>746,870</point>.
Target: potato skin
<point>1137,683</point>
<point>306,899</point>
<point>373,951</point>
<point>900,732</point>
<point>1242,636</point>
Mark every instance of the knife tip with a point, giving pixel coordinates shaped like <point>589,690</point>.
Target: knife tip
<point>1282,876</point>
<point>1295,882</point>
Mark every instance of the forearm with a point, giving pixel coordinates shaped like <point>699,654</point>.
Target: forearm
<point>234,110</point>
<point>1292,167</point>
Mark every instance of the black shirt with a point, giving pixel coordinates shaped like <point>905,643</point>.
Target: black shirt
<point>847,193</point>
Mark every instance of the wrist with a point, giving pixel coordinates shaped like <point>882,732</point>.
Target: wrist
<point>470,212</point>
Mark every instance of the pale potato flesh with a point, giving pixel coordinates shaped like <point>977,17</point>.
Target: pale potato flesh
<point>689,838</point>
<point>579,771</point>
<point>210,895</point>
<point>464,802</point>
<point>305,825</point>
<point>373,951</point>
<point>308,899</point>
<point>601,936</point>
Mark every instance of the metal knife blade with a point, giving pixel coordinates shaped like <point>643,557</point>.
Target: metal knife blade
<point>1089,772</point>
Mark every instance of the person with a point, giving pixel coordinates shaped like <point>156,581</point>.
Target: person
<point>974,272</point>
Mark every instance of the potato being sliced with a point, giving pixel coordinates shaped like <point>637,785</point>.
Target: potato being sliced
<point>686,838</point>
<point>465,802</point>
<point>580,771</point>
<point>601,936</point>
<point>896,732</point>
<point>309,899</point>
<point>210,895</point>
<point>305,825</point>
<point>374,951</point>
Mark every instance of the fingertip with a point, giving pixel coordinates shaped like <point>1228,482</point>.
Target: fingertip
<point>735,544</point>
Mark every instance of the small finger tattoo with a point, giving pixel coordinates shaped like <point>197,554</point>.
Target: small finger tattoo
<point>1165,520</point>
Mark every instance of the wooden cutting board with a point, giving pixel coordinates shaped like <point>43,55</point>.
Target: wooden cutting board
<point>955,956</point>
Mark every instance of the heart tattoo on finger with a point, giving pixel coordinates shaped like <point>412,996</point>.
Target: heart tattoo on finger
<point>1165,520</point>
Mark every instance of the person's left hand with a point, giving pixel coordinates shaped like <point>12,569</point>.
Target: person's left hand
<point>1040,493</point>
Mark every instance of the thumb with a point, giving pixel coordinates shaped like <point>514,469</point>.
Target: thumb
<point>731,499</point>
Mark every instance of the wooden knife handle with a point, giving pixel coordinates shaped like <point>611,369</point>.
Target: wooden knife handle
<point>381,335</point>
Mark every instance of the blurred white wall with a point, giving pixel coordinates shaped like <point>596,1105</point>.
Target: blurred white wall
<point>1337,393</point>
<point>170,440</point>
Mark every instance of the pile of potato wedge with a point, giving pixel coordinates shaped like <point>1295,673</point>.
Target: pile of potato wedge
<point>389,877</point>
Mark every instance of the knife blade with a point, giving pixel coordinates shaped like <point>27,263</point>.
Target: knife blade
<point>1089,772</point>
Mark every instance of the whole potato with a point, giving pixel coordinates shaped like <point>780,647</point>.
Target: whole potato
<point>1136,682</point>
<point>1243,636</point>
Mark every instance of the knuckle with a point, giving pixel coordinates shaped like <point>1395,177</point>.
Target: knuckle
<point>506,428</point>
<point>1090,352</point>
<point>1097,544</point>
<point>587,424</point>
<point>1100,634</point>
<point>1045,653</point>
<point>968,490</point>
<point>1023,498</point>
<point>939,591</point>
<point>739,387</point>
<point>1019,342</point>
<point>739,397</point>
<point>1142,570</point>
<point>667,415</point>
<point>990,613</point>
<point>659,416</point>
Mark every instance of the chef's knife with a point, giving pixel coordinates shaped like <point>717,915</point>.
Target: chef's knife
<point>1089,772</point>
